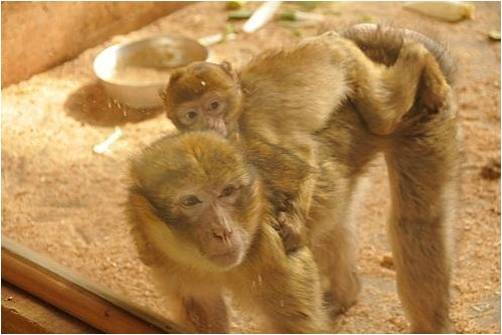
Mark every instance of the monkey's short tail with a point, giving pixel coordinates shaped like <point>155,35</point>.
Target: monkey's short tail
<point>383,43</point>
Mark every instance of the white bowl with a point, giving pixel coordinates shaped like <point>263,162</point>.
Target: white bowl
<point>133,73</point>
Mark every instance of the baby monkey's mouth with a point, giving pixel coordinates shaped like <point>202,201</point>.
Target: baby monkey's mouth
<point>218,125</point>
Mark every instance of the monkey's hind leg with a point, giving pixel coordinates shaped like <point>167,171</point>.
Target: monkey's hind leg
<point>422,162</point>
<point>390,93</point>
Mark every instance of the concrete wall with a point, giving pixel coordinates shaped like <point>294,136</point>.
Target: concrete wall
<point>39,35</point>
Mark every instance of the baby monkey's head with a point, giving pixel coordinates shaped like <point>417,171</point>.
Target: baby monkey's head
<point>202,96</point>
<point>196,200</point>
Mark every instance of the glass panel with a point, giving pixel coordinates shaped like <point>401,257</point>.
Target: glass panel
<point>63,195</point>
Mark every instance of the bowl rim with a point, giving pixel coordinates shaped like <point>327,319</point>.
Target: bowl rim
<point>117,46</point>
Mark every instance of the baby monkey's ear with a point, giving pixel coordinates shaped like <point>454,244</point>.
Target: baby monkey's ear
<point>163,93</point>
<point>227,67</point>
<point>174,76</point>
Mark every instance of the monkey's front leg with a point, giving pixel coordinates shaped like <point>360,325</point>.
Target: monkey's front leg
<point>290,295</point>
<point>207,313</point>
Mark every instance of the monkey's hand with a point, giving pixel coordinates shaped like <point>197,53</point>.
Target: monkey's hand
<point>291,229</point>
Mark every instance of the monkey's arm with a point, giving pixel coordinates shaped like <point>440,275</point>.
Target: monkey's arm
<point>286,288</point>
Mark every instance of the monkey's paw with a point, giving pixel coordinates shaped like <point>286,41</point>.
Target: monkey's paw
<point>340,301</point>
<point>291,231</point>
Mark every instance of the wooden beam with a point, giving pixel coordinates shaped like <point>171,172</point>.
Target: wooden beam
<point>77,296</point>
<point>23,313</point>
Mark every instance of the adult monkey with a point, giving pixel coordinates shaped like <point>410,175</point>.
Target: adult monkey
<point>420,148</point>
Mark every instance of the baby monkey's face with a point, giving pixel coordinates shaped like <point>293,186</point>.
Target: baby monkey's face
<point>203,96</point>
<point>206,112</point>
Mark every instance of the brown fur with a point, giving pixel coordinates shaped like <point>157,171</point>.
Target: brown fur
<point>383,44</point>
<point>420,147</point>
<point>285,289</point>
<point>306,92</point>
<point>422,158</point>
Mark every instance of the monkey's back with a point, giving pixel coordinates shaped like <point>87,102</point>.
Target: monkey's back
<point>383,43</point>
<point>293,89</point>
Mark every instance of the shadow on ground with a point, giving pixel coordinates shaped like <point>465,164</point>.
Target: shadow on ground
<point>91,105</point>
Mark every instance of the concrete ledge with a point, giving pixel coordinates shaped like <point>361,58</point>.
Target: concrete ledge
<point>39,35</point>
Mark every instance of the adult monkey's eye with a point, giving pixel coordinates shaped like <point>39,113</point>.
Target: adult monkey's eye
<point>190,200</point>
<point>191,114</point>
<point>228,191</point>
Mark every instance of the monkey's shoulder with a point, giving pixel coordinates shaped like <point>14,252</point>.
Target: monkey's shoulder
<point>281,169</point>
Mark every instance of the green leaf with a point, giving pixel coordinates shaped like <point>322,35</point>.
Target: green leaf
<point>235,4</point>
<point>240,14</point>
<point>288,15</point>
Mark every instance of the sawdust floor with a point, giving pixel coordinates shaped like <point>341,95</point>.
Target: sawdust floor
<point>63,200</point>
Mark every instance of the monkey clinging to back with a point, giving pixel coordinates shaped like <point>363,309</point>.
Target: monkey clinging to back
<point>283,96</point>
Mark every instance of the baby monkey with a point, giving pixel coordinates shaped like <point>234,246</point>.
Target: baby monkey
<point>284,95</point>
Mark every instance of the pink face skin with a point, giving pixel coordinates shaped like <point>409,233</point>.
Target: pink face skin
<point>199,185</point>
<point>214,221</point>
<point>208,112</point>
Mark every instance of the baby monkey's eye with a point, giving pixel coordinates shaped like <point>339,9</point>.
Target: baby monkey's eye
<point>190,200</point>
<point>228,191</point>
<point>214,105</point>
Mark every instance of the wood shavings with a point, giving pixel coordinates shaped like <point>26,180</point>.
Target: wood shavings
<point>491,170</point>
<point>387,262</point>
<point>105,145</point>
<point>41,141</point>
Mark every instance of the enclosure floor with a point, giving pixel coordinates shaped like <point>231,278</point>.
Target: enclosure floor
<point>63,200</point>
